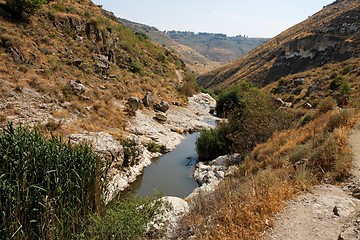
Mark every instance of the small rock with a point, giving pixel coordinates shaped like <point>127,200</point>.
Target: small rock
<point>77,62</point>
<point>307,106</point>
<point>176,103</point>
<point>356,193</point>
<point>161,117</point>
<point>299,81</point>
<point>336,211</point>
<point>278,101</point>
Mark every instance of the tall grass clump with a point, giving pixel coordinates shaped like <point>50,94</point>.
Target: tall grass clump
<point>47,187</point>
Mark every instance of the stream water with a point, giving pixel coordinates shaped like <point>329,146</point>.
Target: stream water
<point>170,174</point>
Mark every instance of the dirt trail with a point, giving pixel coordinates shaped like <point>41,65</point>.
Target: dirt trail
<point>314,216</point>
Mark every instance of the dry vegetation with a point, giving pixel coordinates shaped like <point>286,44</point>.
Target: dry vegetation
<point>290,162</point>
<point>61,42</point>
<point>317,84</point>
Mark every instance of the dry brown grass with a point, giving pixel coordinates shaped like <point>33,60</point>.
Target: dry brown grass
<point>49,46</point>
<point>244,206</point>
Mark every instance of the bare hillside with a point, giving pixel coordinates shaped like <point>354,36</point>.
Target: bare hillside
<point>329,36</point>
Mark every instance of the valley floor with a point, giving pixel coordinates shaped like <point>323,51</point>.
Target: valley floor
<point>328,212</point>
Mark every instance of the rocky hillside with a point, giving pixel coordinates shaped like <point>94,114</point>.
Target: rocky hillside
<point>216,46</point>
<point>329,36</point>
<point>72,67</point>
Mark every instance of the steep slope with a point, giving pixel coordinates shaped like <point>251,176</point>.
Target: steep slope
<point>73,40</point>
<point>215,46</point>
<point>331,35</point>
<point>193,59</point>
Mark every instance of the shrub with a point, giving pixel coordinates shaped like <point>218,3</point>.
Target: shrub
<point>142,36</point>
<point>336,83</point>
<point>210,144</point>
<point>326,105</point>
<point>154,147</point>
<point>338,120</point>
<point>252,119</point>
<point>299,153</point>
<point>345,88</point>
<point>47,187</point>
<point>189,86</point>
<point>24,8</point>
<point>131,151</point>
<point>136,67</point>
<point>127,219</point>
<point>230,100</point>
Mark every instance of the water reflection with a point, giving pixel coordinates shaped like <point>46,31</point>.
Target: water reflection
<point>170,174</point>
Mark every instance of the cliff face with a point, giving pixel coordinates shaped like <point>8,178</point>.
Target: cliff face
<point>331,35</point>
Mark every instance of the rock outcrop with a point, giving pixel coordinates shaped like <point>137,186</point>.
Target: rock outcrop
<point>74,88</point>
<point>103,144</point>
<point>179,120</point>
<point>209,174</point>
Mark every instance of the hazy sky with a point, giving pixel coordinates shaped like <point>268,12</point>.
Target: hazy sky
<point>255,18</point>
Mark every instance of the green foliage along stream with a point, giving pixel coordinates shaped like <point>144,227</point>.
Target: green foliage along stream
<point>252,119</point>
<point>47,187</point>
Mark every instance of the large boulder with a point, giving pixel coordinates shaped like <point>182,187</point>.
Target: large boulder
<point>74,88</point>
<point>169,218</point>
<point>133,104</point>
<point>103,144</point>
<point>162,106</point>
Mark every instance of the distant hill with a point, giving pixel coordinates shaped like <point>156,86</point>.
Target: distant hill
<point>216,46</point>
<point>330,36</point>
<point>193,59</point>
<point>200,51</point>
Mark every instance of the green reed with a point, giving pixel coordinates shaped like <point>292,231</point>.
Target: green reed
<point>48,187</point>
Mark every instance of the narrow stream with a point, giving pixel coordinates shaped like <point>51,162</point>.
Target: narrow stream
<point>170,174</point>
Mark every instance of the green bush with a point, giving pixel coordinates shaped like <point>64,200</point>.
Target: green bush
<point>127,219</point>
<point>47,187</point>
<point>24,8</point>
<point>156,148</point>
<point>136,67</point>
<point>230,100</point>
<point>142,36</point>
<point>345,88</point>
<point>336,83</point>
<point>210,144</point>
<point>252,119</point>
<point>131,151</point>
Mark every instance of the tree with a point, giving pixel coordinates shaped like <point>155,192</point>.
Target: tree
<point>23,9</point>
